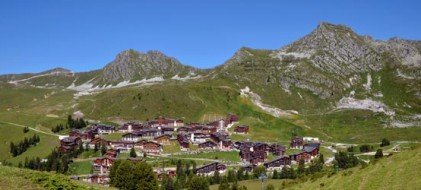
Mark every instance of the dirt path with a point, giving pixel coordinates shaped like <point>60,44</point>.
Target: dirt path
<point>31,128</point>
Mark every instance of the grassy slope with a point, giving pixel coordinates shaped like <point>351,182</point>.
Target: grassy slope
<point>15,178</point>
<point>398,171</point>
<point>9,133</point>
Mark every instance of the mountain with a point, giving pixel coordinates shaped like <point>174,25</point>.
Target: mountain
<point>128,67</point>
<point>330,69</point>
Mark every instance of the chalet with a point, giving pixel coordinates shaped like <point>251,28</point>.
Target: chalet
<point>253,157</point>
<point>130,127</point>
<point>278,163</point>
<point>311,139</point>
<point>111,153</point>
<point>241,129</point>
<point>69,144</point>
<point>210,169</point>
<point>208,145</point>
<point>277,149</point>
<point>232,118</point>
<point>103,129</point>
<point>165,122</point>
<point>152,147</point>
<point>219,136</point>
<point>183,140</point>
<point>132,137</point>
<point>98,142</point>
<point>300,156</point>
<point>163,139</point>
<point>150,133</point>
<point>183,130</point>
<point>312,149</point>
<point>122,146</point>
<point>225,145</point>
<point>219,124</point>
<point>297,142</point>
<point>197,138</point>
<point>258,146</point>
<point>139,144</point>
<point>85,136</point>
<point>102,166</point>
<point>167,130</point>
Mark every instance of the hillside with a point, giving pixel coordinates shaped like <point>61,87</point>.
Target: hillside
<point>394,172</point>
<point>14,178</point>
<point>332,83</point>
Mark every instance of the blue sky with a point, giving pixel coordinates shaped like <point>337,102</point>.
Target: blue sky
<point>83,35</point>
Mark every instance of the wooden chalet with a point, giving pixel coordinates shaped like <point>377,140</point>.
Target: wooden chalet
<point>167,130</point>
<point>102,166</point>
<point>152,147</point>
<point>85,136</point>
<point>111,153</point>
<point>122,146</point>
<point>241,129</point>
<point>163,139</point>
<point>301,156</point>
<point>312,149</point>
<point>278,163</point>
<point>98,142</point>
<point>219,136</point>
<point>232,118</point>
<point>225,145</point>
<point>130,127</point>
<point>277,149</point>
<point>210,169</point>
<point>69,144</point>
<point>297,142</point>
<point>249,168</point>
<point>208,145</point>
<point>103,129</point>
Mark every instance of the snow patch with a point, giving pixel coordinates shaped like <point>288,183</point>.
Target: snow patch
<point>189,77</point>
<point>366,104</point>
<point>257,100</point>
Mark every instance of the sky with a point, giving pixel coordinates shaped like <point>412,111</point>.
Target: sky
<point>83,35</point>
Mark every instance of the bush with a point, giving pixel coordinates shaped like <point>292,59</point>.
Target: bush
<point>379,154</point>
<point>366,148</point>
<point>384,142</point>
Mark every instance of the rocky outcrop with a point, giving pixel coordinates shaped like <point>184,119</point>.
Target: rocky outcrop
<point>130,65</point>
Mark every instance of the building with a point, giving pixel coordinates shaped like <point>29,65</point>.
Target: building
<point>69,144</point>
<point>297,142</point>
<point>241,129</point>
<point>277,149</point>
<point>301,156</point>
<point>210,169</point>
<point>98,142</point>
<point>312,149</point>
<point>208,145</point>
<point>163,139</point>
<point>102,166</point>
<point>278,163</point>
<point>152,147</point>
<point>103,129</point>
<point>225,145</point>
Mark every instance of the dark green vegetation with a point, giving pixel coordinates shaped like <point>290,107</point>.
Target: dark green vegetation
<point>23,145</point>
<point>14,178</point>
<point>128,175</point>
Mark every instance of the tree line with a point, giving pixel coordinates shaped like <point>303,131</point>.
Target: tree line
<point>22,146</point>
<point>71,124</point>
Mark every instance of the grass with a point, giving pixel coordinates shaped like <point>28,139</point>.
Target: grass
<point>80,168</point>
<point>11,133</point>
<point>15,179</point>
<point>255,184</point>
<point>172,148</point>
<point>232,156</point>
<point>395,172</point>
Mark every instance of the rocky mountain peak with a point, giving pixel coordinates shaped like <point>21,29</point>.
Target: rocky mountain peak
<point>57,71</point>
<point>134,65</point>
